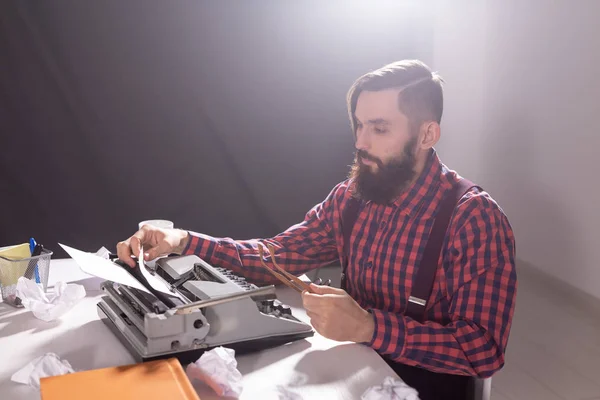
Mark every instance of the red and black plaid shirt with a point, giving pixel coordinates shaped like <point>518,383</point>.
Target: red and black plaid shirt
<point>471,306</point>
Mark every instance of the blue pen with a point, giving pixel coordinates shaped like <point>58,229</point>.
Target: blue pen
<point>34,248</point>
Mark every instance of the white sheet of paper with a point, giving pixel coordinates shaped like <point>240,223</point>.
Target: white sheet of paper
<point>156,283</point>
<point>106,269</point>
<point>102,268</point>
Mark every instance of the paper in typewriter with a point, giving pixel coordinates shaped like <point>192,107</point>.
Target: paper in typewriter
<point>106,269</point>
<point>156,283</point>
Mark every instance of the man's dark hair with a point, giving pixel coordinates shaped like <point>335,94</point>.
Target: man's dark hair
<point>421,96</point>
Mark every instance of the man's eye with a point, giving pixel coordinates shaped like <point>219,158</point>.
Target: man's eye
<point>380,130</point>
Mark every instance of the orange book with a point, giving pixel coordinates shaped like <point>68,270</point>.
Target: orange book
<point>161,379</point>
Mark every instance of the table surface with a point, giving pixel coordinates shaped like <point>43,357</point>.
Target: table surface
<point>315,367</point>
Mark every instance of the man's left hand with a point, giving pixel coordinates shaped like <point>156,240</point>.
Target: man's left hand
<point>335,315</point>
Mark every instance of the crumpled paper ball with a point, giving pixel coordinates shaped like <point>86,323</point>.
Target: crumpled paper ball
<point>218,369</point>
<point>47,365</point>
<point>48,307</point>
<point>391,389</point>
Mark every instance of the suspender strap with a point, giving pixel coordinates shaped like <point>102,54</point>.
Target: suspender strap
<point>425,273</point>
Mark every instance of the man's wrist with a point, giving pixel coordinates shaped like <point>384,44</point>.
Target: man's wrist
<point>367,328</point>
<point>183,242</point>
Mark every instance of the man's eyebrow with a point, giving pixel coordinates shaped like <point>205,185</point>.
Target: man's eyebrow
<point>376,121</point>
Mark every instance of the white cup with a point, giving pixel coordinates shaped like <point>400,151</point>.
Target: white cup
<point>159,223</point>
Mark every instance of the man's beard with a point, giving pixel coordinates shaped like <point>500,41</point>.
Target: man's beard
<point>390,179</point>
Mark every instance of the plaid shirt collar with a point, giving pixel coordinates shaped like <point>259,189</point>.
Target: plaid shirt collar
<point>424,189</point>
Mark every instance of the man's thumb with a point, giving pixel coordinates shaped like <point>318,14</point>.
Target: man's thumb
<point>319,289</point>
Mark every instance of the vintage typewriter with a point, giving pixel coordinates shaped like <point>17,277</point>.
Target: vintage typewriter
<point>208,307</point>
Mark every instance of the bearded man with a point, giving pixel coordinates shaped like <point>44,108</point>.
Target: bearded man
<point>428,258</point>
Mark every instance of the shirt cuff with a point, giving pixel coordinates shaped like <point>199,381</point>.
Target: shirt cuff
<point>389,333</point>
<point>201,245</point>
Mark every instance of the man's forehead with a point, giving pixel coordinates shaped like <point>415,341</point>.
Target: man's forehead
<point>378,107</point>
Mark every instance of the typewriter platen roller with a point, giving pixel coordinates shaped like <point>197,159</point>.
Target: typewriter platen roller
<point>209,307</point>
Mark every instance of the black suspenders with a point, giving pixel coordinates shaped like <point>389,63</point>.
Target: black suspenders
<point>425,276</point>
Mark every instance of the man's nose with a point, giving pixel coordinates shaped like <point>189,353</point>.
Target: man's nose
<point>362,140</point>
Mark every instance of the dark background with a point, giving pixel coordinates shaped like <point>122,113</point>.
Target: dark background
<point>228,118</point>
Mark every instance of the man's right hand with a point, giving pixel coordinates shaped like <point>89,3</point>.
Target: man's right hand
<point>155,241</point>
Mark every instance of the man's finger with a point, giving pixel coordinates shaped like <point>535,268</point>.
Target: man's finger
<point>322,289</point>
<point>311,315</point>
<point>136,242</point>
<point>124,253</point>
<point>157,251</point>
<point>312,302</point>
<point>316,324</point>
<point>318,304</point>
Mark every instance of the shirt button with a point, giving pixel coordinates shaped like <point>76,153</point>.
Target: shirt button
<point>383,223</point>
<point>369,265</point>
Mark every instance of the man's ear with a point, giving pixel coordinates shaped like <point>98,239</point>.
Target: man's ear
<point>429,134</point>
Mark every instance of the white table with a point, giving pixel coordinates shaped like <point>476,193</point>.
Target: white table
<point>310,368</point>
